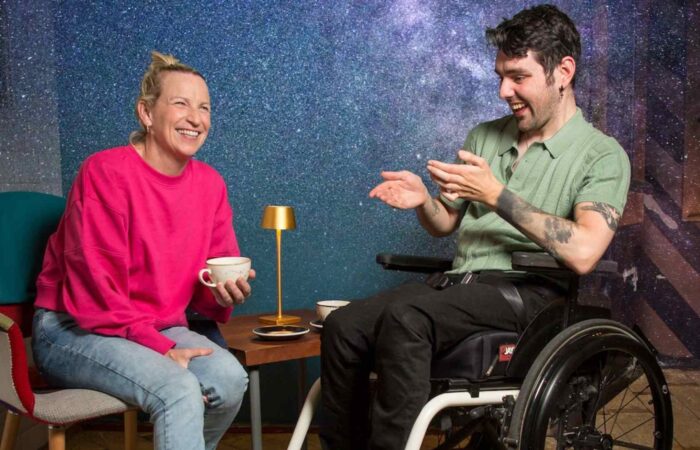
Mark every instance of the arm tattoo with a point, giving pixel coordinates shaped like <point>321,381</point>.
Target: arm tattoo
<point>514,209</point>
<point>606,211</point>
<point>436,208</point>
<point>518,212</point>
<point>556,231</point>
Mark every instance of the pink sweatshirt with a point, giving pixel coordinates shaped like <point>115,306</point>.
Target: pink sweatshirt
<point>125,257</point>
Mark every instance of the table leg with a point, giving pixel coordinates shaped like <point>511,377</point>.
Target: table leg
<point>301,392</point>
<point>255,415</point>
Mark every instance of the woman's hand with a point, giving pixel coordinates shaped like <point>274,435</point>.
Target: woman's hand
<point>182,356</point>
<point>233,293</point>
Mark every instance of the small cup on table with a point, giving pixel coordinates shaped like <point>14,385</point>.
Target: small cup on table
<point>325,307</point>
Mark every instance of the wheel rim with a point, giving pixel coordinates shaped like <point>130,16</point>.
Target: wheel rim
<point>615,397</point>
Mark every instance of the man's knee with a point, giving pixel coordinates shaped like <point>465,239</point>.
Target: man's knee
<point>402,317</point>
<point>340,332</point>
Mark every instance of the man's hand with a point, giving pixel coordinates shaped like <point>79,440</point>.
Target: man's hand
<point>183,356</point>
<point>472,181</point>
<point>404,190</point>
<point>233,293</point>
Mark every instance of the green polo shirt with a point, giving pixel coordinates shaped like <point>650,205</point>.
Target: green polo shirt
<point>578,164</point>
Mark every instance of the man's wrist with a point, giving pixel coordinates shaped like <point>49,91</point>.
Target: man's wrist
<point>426,204</point>
<point>492,200</point>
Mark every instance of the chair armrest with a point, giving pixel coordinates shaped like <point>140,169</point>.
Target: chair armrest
<point>411,263</point>
<point>540,261</point>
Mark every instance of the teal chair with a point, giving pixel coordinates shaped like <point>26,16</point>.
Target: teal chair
<point>27,219</point>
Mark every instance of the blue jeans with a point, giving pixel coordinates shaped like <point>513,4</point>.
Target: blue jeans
<point>69,356</point>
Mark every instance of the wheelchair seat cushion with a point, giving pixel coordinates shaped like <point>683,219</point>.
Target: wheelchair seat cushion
<point>474,356</point>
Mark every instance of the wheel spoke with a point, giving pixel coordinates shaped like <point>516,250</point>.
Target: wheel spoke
<point>621,407</point>
<point>624,444</point>
<point>630,430</point>
<point>645,405</point>
<point>616,415</point>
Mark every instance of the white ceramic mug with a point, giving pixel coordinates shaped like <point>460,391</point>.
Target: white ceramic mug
<point>220,270</point>
<point>325,307</point>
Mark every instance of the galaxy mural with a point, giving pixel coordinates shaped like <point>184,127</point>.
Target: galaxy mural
<point>313,98</point>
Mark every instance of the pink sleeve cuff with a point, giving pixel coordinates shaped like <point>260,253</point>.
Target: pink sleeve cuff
<point>151,338</point>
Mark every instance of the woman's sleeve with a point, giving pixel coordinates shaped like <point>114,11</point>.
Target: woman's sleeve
<point>223,243</point>
<point>96,282</point>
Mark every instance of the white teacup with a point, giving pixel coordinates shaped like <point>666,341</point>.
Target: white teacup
<point>220,270</point>
<point>325,307</point>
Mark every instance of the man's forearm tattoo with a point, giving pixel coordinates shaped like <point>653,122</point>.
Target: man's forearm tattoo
<point>605,210</point>
<point>436,208</point>
<point>518,213</point>
<point>514,209</point>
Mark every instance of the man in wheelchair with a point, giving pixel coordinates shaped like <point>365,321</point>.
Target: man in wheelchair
<point>539,178</point>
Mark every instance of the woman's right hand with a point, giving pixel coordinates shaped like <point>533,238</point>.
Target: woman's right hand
<point>183,356</point>
<point>404,190</point>
<point>233,292</point>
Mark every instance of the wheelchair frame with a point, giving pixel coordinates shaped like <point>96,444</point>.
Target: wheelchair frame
<point>554,352</point>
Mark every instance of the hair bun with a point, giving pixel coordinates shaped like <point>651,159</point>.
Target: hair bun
<point>161,59</point>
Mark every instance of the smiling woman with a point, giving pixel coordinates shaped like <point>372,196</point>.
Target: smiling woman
<point>121,269</point>
<point>174,110</point>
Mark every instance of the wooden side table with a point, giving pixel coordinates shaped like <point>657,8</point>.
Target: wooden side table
<point>253,352</point>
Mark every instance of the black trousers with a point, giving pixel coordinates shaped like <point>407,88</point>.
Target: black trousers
<point>395,334</point>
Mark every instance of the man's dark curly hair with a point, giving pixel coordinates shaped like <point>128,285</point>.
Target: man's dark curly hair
<point>545,30</point>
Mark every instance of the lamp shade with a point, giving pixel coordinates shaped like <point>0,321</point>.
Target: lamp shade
<point>278,218</point>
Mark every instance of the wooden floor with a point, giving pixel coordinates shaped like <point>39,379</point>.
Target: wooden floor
<point>105,440</point>
<point>684,385</point>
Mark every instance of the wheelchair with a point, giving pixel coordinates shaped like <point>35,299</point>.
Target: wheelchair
<point>573,379</point>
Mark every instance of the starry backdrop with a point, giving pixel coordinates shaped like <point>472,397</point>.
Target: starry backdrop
<point>313,98</point>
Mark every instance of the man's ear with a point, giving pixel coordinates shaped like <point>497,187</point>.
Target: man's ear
<point>567,70</point>
<point>144,114</point>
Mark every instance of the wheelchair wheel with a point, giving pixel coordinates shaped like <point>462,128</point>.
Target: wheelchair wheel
<point>596,385</point>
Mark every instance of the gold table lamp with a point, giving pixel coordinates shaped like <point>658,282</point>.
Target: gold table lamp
<point>279,218</point>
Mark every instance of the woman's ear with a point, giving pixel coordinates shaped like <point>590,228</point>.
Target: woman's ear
<point>144,114</point>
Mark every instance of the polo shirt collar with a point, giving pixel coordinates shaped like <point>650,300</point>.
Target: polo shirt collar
<point>555,145</point>
<point>567,134</point>
<point>510,137</point>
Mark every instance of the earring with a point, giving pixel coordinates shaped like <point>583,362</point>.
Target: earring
<point>561,92</point>
<point>148,129</point>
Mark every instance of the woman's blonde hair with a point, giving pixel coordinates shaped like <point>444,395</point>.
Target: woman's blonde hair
<point>151,84</point>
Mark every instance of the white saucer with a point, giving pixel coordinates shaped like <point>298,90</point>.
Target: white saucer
<point>317,324</point>
<point>280,332</point>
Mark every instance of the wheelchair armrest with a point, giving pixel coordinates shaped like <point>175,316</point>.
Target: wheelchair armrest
<point>411,263</point>
<point>540,261</point>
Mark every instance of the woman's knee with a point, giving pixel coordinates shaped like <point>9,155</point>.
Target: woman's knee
<point>227,384</point>
<point>182,392</point>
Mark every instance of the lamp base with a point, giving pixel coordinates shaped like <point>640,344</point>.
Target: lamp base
<point>274,319</point>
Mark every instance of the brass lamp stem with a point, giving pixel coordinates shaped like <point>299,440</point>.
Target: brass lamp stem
<point>279,273</point>
<point>278,218</point>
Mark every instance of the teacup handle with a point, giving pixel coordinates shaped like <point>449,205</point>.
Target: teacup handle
<point>203,281</point>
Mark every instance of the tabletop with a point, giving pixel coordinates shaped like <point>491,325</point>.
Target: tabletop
<point>253,351</point>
